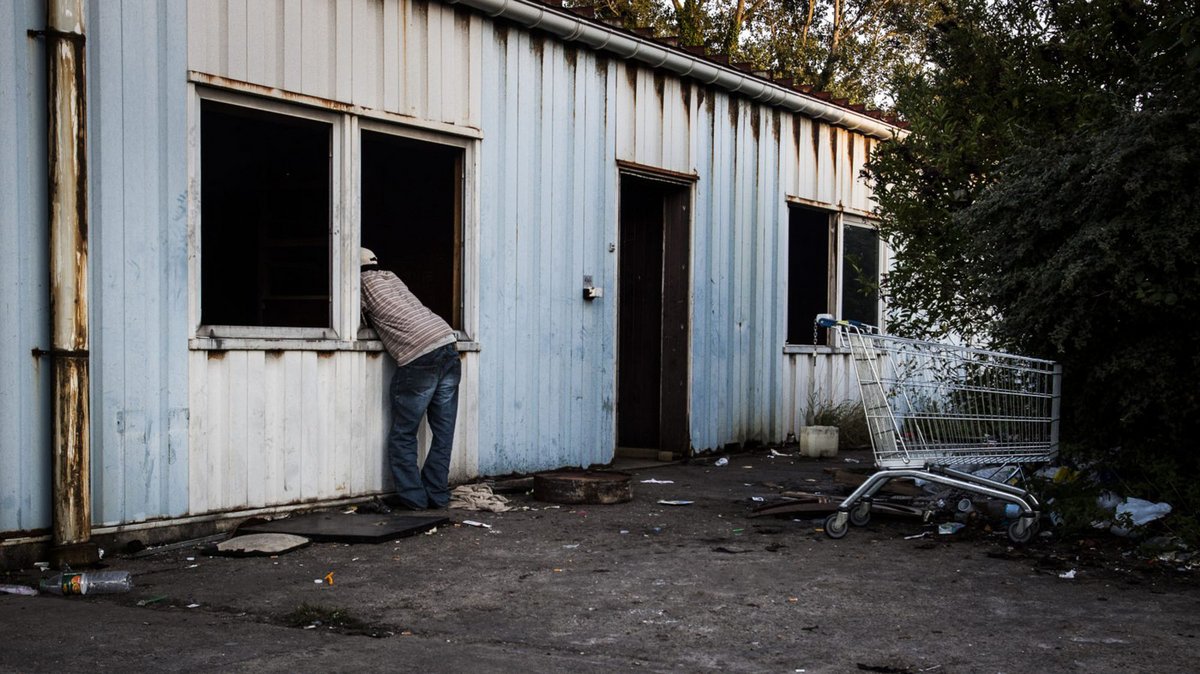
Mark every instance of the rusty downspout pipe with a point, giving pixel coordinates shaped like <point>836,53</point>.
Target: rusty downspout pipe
<point>67,130</point>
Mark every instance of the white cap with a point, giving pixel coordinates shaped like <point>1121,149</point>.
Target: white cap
<point>366,257</point>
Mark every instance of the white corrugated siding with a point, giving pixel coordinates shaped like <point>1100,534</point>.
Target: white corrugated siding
<point>554,119</point>
<point>277,427</point>
<point>137,84</point>
<point>548,182</point>
<point>24,272</point>
<point>412,58</point>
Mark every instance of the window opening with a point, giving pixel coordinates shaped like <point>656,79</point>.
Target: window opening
<point>808,272</point>
<point>265,214</point>
<point>412,216</point>
<point>860,274</point>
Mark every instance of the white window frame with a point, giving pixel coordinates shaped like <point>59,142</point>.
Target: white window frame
<point>838,221</point>
<point>337,219</point>
<point>468,217</point>
<point>345,223</point>
<point>845,220</point>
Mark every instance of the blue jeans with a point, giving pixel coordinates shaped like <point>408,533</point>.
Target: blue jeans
<point>426,386</point>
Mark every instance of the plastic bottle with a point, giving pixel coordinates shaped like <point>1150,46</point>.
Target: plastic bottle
<point>91,582</point>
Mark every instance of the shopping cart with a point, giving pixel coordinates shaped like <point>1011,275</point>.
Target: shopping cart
<point>941,412</point>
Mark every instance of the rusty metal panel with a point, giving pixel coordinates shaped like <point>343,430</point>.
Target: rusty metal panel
<point>138,181</point>
<point>24,273</point>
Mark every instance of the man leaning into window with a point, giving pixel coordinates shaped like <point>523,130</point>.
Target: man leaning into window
<point>425,383</point>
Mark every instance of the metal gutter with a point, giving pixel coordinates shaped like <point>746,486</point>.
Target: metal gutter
<point>66,93</point>
<point>573,28</point>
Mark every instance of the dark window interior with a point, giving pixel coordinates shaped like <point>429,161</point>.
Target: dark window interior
<point>411,216</point>
<point>808,272</point>
<point>860,274</point>
<point>265,218</point>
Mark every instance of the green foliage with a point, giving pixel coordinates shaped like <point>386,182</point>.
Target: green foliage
<point>850,48</point>
<point>1048,201</point>
<point>849,418</point>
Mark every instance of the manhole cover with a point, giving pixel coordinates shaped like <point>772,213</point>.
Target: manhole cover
<point>583,486</point>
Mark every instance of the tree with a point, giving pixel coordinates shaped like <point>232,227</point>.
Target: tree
<point>849,48</point>
<point>1048,200</point>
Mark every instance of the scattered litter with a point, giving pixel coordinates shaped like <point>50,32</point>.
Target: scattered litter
<point>329,578</point>
<point>654,481</point>
<point>478,497</point>
<point>319,581</point>
<point>775,454</point>
<point>1141,511</point>
<point>431,531</point>
<point>18,589</point>
<point>89,582</point>
<point>747,466</point>
<point>757,499</point>
<point>738,531</point>
<point>916,536</point>
<point>193,606</point>
<point>850,460</point>
<point>191,559</point>
<point>950,528</point>
<point>721,462</point>
<point>623,532</point>
<point>571,546</point>
<point>151,600</point>
<point>44,566</point>
<point>311,627</point>
<point>259,545</point>
<point>1069,575</point>
<point>674,503</point>
<point>193,566</point>
<point>473,523</point>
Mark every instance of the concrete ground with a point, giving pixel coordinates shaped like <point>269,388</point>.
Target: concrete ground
<point>633,587</point>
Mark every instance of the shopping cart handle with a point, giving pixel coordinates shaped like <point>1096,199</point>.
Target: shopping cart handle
<point>828,321</point>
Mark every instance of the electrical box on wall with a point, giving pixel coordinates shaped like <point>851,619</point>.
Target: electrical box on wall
<point>591,292</point>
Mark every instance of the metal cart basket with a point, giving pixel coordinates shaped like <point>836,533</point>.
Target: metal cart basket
<point>936,411</point>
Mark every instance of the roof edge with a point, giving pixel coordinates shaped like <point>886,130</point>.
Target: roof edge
<point>600,36</point>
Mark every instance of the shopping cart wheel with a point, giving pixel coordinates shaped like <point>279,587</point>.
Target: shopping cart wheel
<point>1021,531</point>
<point>861,514</point>
<point>836,525</point>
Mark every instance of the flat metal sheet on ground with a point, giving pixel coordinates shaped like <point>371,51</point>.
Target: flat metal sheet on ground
<point>344,528</point>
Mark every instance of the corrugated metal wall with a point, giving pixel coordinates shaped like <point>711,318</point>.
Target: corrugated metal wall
<point>556,120</point>
<point>270,428</point>
<point>138,241</point>
<point>548,185</point>
<point>24,272</point>
<point>418,59</point>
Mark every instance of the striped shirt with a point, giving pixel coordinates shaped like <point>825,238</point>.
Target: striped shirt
<point>408,328</point>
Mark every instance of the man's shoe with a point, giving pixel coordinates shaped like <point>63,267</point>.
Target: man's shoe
<point>375,506</point>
